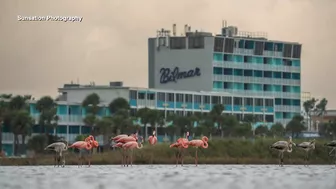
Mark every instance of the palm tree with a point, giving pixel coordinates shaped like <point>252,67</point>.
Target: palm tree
<point>21,123</point>
<point>252,120</point>
<point>309,107</point>
<point>217,115</point>
<point>321,108</point>
<point>104,127</point>
<point>48,118</point>
<point>144,115</point>
<point>91,104</point>
<point>19,119</point>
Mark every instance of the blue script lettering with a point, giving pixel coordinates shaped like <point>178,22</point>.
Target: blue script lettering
<point>172,75</point>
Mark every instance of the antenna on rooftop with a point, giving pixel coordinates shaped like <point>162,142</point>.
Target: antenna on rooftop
<point>174,29</point>
<point>185,29</point>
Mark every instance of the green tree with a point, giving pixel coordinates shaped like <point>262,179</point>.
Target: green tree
<point>295,126</point>
<point>145,117</point>
<point>250,119</point>
<point>277,130</point>
<point>104,127</point>
<point>217,116</point>
<point>230,123</point>
<point>262,130</point>
<point>19,119</point>
<point>331,128</point>
<point>118,104</point>
<point>38,143</point>
<point>321,108</point>
<point>48,118</point>
<point>91,105</point>
<point>21,124</point>
<point>243,129</point>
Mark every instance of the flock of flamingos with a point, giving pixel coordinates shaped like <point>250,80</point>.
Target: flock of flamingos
<point>127,143</point>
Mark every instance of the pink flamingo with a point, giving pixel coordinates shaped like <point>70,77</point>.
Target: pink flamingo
<point>127,139</point>
<point>130,146</point>
<point>198,144</point>
<point>152,141</point>
<point>122,139</point>
<point>181,144</point>
<point>81,146</point>
<point>118,137</point>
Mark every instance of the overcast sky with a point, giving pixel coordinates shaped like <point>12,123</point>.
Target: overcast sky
<point>111,42</point>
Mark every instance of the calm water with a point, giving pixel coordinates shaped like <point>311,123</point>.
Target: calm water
<point>169,176</point>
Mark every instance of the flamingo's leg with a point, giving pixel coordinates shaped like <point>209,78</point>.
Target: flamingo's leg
<point>63,162</point>
<point>282,156</point>
<point>122,156</point>
<point>196,158</point>
<point>331,151</point>
<point>89,158</point>
<point>132,156</point>
<point>307,162</point>
<point>182,155</point>
<point>55,160</point>
<point>279,158</point>
<point>177,156</point>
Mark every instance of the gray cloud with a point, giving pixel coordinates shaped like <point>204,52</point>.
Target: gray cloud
<point>111,42</point>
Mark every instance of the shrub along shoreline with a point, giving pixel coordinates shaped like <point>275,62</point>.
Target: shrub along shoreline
<point>228,151</point>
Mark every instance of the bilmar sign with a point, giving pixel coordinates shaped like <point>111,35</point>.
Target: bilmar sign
<point>172,75</point>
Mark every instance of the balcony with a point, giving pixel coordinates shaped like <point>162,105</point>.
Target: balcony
<point>256,66</point>
<point>64,119</point>
<point>257,80</point>
<point>283,108</point>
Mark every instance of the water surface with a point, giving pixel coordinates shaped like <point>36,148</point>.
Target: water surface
<point>169,177</point>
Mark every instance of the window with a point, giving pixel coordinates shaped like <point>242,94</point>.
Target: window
<point>269,102</point>
<point>188,98</point>
<point>227,100</point>
<point>286,62</point>
<point>161,96</point>
<point>269,118</point>
<point>287,51</point>
<point>215,99</point>
<point>206,99</point>
<point>248,101</point>
<point>177,42</point>
<point>150,96</point>
<point>237,101</point>
<point>197,99</point>
<point>133,94</point>
<point>219,44</point>
<point>141,96</point>
<point>171,97</point>
<point>228,45</point>
<point>259,102</point>
<point>268,74</point>
<point>259,48</point>
<point>196,42</point>
<point>179,98</point>
<point>296,51</point>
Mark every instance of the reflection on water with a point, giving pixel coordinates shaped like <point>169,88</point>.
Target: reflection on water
<point>169,176</point>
